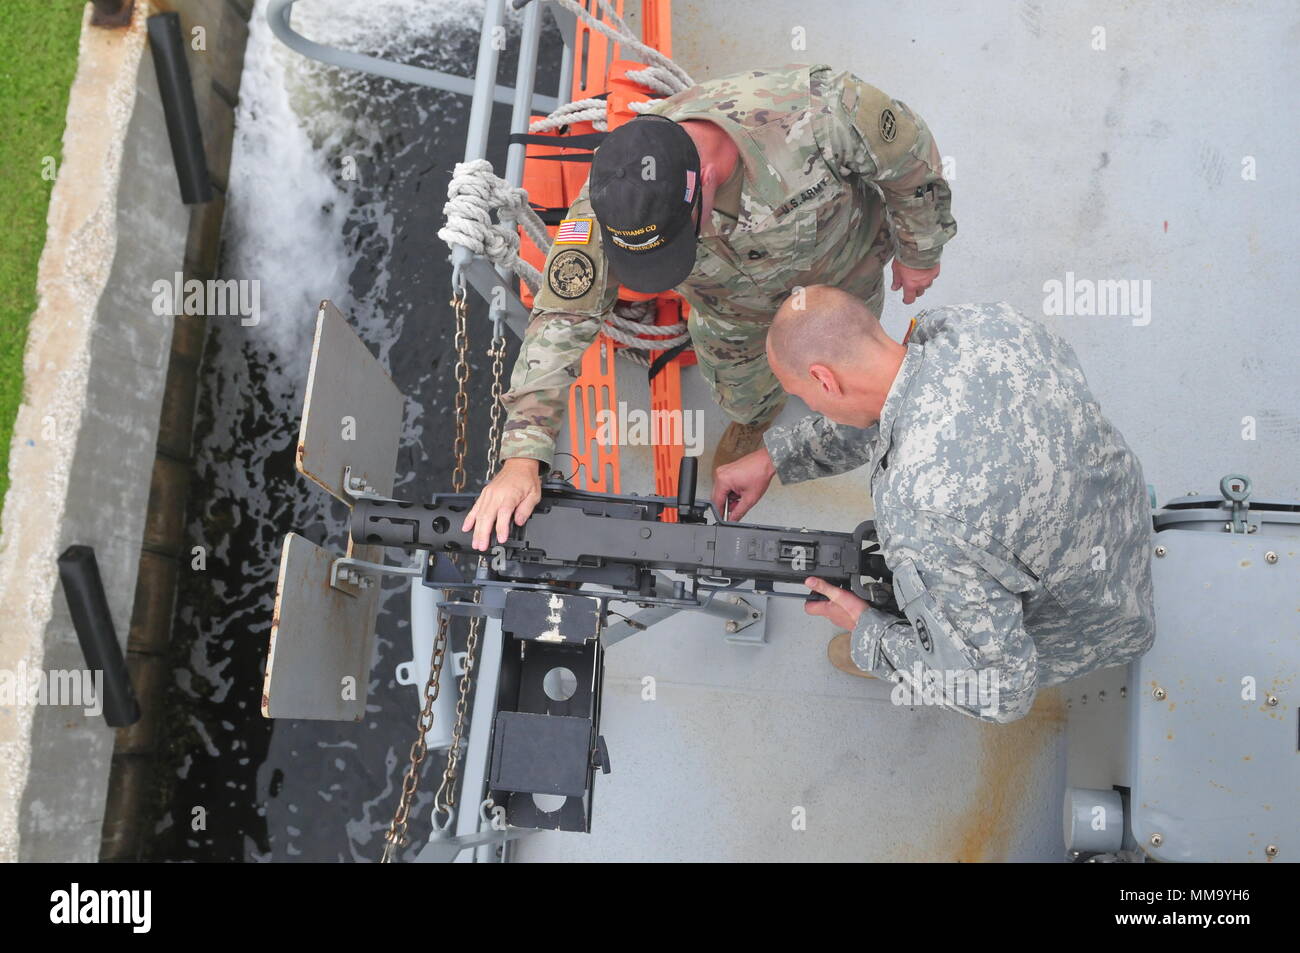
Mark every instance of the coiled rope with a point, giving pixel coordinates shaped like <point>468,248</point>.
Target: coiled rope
<point>476,192</point>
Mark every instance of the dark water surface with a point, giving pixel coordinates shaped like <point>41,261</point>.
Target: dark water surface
<point>346,204</point>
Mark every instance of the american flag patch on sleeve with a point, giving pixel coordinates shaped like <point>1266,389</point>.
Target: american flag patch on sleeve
<point>574,231</point>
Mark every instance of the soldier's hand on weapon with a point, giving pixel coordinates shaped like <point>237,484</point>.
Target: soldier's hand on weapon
<point>913,281</point>
<point>514,491</point>
<point>747,479</point>
<point>842,607</point>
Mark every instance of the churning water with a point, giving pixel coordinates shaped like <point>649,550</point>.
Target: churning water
<point>336,191</point>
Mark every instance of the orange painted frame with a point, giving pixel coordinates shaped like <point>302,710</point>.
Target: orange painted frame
<point>597,71</point>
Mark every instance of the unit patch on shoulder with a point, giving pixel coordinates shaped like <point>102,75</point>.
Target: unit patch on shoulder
<point>888,125</point>
<point>574,231</point>
<point>571,274</point>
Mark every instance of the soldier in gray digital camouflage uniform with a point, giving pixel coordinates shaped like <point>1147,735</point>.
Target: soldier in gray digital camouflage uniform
<point>761,182</point>
<point>1013,516</point>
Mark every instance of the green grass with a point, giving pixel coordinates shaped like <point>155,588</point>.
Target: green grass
<point>38,58</point>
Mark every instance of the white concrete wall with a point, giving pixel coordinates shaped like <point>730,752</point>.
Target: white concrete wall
<point>84,442</point>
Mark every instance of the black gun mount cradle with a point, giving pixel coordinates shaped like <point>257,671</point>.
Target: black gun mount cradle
<point>551,584</point>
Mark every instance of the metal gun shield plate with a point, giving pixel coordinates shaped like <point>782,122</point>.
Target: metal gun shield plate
<point>320,635</point>
<point>352,413</point>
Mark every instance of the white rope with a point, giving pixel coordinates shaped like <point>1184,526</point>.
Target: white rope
<point>614,28</point>
<point>630,324</point>
<point>580,110</point>
<point>476,192</point>
<point>656,79</point>
<point>473,194</point>
<point>661,76</point>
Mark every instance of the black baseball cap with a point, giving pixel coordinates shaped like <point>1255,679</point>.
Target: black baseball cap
<point>645,184</point>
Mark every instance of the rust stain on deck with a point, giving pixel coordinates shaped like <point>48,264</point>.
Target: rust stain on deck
<point>1009,756</point>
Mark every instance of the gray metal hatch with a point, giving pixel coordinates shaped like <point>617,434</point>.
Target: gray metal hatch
<point>1215,755</point>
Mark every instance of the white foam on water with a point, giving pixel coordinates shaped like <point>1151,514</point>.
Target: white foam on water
<point>285,218</point>
<point>296,122</point>
<point>300,227</point>
<point>292,218</point>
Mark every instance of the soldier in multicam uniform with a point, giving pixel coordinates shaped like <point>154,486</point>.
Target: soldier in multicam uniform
<point>1013,516</point>
<point>761,182</point>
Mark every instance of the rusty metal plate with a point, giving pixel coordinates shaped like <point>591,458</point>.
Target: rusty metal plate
<point>322,638</point>
<point>352,414</point>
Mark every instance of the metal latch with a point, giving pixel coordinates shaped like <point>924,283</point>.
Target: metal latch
<point>600,756</point>
<point>1235,488</point>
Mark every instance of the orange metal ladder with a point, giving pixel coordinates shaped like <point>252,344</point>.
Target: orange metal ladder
<point>593,398</point>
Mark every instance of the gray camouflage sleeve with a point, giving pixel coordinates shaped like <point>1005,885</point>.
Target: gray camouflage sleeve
<point>817,447</point>
<point>980,661</point>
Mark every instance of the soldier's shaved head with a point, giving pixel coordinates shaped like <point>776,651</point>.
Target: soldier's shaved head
<point>822,325</point>
<point>827,347</point>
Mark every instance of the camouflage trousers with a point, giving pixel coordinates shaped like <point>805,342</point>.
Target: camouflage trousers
<point>732,357</point>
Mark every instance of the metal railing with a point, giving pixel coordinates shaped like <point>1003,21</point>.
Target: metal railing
<point>278,13</point>
<point>495,285</point>
<point>472,831</point>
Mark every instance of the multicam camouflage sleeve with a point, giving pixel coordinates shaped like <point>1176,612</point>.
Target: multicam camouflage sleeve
<point>539,385</point>
<point>879,138</point>
<point>815,447</point>
<point>963,644</point>
<point>567,315</point>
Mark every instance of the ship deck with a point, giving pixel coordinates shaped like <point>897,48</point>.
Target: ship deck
<point>1117,164</point>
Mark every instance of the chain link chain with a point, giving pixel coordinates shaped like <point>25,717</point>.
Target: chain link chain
<point>459,446</point>
<point>396,837</point>
<point>497,351</point>
<point>445,797</point>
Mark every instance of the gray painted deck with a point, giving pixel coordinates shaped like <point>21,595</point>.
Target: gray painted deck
<point>1117,164</point>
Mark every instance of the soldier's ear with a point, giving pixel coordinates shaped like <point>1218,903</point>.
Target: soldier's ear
<point>826,379</point>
